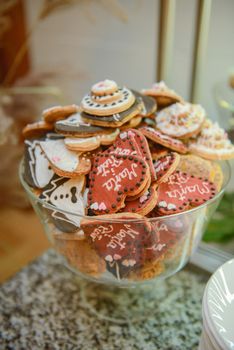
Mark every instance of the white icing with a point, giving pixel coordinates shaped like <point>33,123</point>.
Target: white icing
<point>213,140</point>
<point>61,197</point>
<point>59,156</point>
<point>180,119</point>
<point>39,165</point>
<point>102,86</point>
<point>73,120</point>
<point>91,106</point>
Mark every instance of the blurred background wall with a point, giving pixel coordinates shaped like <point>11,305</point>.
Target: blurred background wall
<point>91,40</point>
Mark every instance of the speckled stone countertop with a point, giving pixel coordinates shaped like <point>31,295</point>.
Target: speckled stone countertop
<point>45,306</point>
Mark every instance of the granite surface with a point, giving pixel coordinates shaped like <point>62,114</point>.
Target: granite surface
<point>46,306</point>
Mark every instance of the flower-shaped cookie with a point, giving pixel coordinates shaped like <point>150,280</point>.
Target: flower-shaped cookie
<point>212,143</point>
<point>181,120</point>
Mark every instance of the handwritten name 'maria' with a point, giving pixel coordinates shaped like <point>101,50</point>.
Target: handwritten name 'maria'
<point>115,181</point>
<point>116,240</point>
<point>180,193</point>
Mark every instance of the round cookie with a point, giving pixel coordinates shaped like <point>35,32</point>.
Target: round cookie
<point>164,140</point>
<point>36,130</point>
<point>216,175</point>
<point>106,99</point>
<point>52,114</point>
<point>181,120</point>
<point>75,126</point>
<point>162,94</point>
<point>149,104</point>
<point>114,120</point>
<point>194,165</point>
<point>103,88</point>
<point>212,143</point>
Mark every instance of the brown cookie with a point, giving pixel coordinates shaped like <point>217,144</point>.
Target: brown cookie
<point>52,114</point>
<point>149,104</point>
<point>194,165</point>
<point>112,179</point>
<point>165,166</point>
<point>164,140</point>
<point>144,204</point>
<point>114,120</point>
<point>36,130</point>
<point>75,126</point>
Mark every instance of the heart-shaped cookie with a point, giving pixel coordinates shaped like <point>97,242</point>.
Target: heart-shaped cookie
<point>121,239</point>
<point>166,165</point>
<point>143,204</point>
<point>164,140</point>
<point>132,141</point>
<point>182,191</point>
<point>112,178</point>
<point>64,162</point>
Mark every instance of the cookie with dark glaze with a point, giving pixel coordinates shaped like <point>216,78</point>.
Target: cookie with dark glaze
<point>75,126</point>
<point>114,120</point>
<point>149,104</point>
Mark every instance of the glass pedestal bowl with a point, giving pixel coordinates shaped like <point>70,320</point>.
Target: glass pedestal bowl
<point>125,252</point>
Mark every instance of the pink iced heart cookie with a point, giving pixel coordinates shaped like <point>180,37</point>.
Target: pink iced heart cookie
<point>112,178</point>
<point>120,239</point>
<point>182,191</point>
<point>164,140</point>
<point>166,165</point>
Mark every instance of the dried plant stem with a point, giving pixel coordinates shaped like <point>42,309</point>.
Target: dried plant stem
<point>19,56</point>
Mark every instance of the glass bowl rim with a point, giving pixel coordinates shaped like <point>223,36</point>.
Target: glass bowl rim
<point>100,217</point>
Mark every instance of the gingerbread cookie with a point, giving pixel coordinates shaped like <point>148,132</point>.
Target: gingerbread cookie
<point>36,130</point>
<point>79,253</point>
<point>162,94</point>
<point>212,143</point>
<point>64,162</point>
<point>194,165</point>
<point>114,120</point>
<point>149,104</point>
<point>52,114</point>
<point>112,178</point>
<point>183,191</point>
<point>144,204</point>
<point>107,98</point>
<point>90,143</point>
<point>135,142</point>
<point>66,197</point>
<point>75,126</point>
<point>165,166</point>
<point>181,120</point>
<point>121,239</point>
<point>37,169</point>
<point>164,140</point>
<point>157,150</point>
<point>216,175</point>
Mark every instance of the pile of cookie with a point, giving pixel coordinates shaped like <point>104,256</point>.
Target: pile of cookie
<point>111,166</point>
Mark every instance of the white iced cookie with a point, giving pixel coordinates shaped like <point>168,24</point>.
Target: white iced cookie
<point>163,94</point>
<point>64,162</point>
<point>90,143</point>
<point>38,171</point>
<point>66,195</point>
<point>106,98</point>
<point>181,120</point>
<point>212,143</point>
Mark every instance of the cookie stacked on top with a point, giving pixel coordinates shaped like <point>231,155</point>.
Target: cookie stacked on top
<point>116,158</point>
